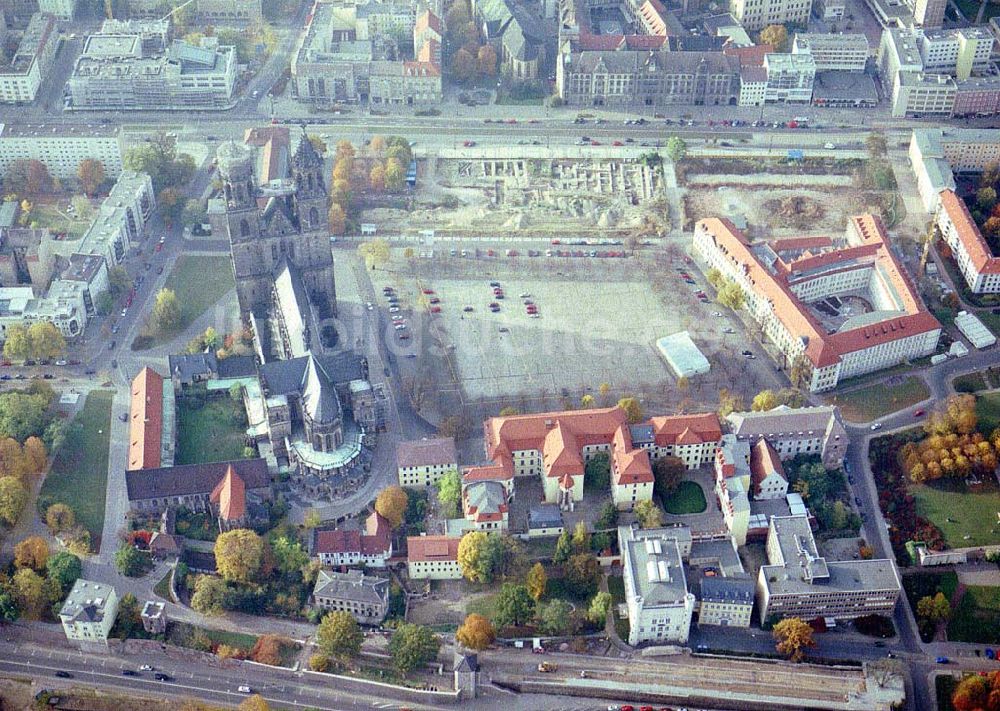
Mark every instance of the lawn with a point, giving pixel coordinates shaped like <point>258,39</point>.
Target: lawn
<point>977,617</point>
<point>959,514</point>
<point>79,474</point>
<point>616,586</point>
<point>484,605</point>
<point>162,588</point>
<point>927,584</point>
<point>944,686</point>
<point>181,633</point>
<point>988,412</point>
<point>213,432</point>
<point>51,215</point>
<point>199,283</point>
<point>688,499</point>
<point>969,383</point>
<point>878,399</point>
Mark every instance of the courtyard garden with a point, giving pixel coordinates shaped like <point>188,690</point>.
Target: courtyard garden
<point>210,428</point>
<point>687,499</point>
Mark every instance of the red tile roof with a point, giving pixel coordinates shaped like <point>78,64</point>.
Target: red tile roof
<point>421,549</point>
<point>749,56</point>
<point>145,430</point>
<point>378,534</point>
<point>686,429</point>
<point>764,461</point>
<point>230,495</point>
<point>337,541</point>
<point>375,539</point>
<point>980,254</point>
<point>822,349</point>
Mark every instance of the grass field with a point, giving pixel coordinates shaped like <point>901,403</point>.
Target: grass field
<point>988,411</point>
<point>688,499</point>
<point>977,617</point>
<point>959,514</point>
<point>51,216</point>
<point>79,474</point>
<point>199,283</point>
<point>180,633</point>
<point>211,433</point>
<point>484,605</point>
<point>926,583</point>
<point>616,586</point>
<point>162,588</point>
<point>969,383</point>
<point>878,399</point>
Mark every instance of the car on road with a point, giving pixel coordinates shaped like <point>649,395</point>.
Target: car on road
<point>159,246</point>
<point>717,313</point>
<point>129,672</point>
<point>876,426</point>
<point>919,412</point>
<point>160,676</point>
<point>62,362</point>
<point>942,660</point>
<point>547,667</point>
<point>244,689</point>
<point>64,674</point>
<point>111,346</point>
<point>435,309</point>
<point>990,654</point>
<point>427,291</point>
<point>435,300</point>
<point>468,144</point>
<point>159,270</point>
<point>468,309</point>
<point>145,667</point>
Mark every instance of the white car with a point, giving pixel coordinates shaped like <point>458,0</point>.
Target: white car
<point>394,309</point>
<point>876,426</point>
<point>244,689</point>
<point>399,326</point>
<point>145,667</point>
<point>717,313</point>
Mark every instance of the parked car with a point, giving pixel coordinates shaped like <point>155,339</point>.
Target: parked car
<point>128,672</point>
<point>64,674</point>
<point>942,660</point>
<point>244,689</point>
<point>162,677</point>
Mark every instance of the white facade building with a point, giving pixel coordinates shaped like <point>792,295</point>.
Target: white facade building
<point>21,78</point>
<point>88,614</point>
<point>838,52</point>
<point>656,594</point>
<point>758,14</point>
<point>61,147</point>
<point>121,220</point>
<point>60,9</point>
<point>972,253</point>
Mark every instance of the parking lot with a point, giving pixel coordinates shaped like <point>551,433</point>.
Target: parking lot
<point>597,322</point>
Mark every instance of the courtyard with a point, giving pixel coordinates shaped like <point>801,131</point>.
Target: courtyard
<point>209,429</point>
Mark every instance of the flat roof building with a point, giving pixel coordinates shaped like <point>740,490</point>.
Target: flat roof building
<point>656,594</point>
<point>972,253</point>
<point>21,78</point>
<point>682,355</point>
<point>842,52</point>
<point>798,582</point>
<point>61,147</point>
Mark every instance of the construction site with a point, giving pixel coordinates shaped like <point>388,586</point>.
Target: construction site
<point>532,193</point>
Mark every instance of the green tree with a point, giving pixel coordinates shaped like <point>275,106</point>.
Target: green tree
<point>118,280</point>
<point>473,557</point>
<point>9,611</point>
<point>339,636</point>
<point>129,561</point>
<point>776,36</point>
<point>64,568</point>
<point>129,620</point>
<point>668,473</point>
<point>289,555</point>
<point>158,157</point>
<point>194,213</point>
<point>633,410</point>
<point>764,400</point>
<point>395,174</point>
<point>166,311</point>
<point>238,555</point>
<point>13,497</point>
<point>597,472</point>
<point>337,219</point>
<point>556,618</point>
<point>476,633</point>
<point>648,514</point>
<point>412,646</point>
<point>676,148</point>
<point>209,596</point>
<point>16,345</point>
<point>537,581</point>
<point>24,415</point>
<point>564,548</point>
<point>581,538</point>
<point>583,573</point>
<point>935,609</point>
<point>986,198</point>
<point>59,518</point>
<point>731,295</point>
<point>46,340</point>
<point>449,492</point>
<point>514,606</point>
<point>599,606</point>
<point>28,588</point>
<point>463,66</point>
<point>608,518</point>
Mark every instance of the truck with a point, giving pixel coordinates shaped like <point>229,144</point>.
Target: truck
<point>546,667</point>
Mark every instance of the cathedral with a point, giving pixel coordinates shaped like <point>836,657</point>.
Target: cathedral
<point>276,227</point>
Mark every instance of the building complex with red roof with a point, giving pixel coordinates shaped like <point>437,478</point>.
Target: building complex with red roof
<point>145,428</point>
<point>556,446</point>
<point>979,266</point>
<point>780,281</point>
<point>372,546</point>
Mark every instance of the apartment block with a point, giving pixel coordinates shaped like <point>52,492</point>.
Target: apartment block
<point>62,306</point>
<point>31,62</point>
<point>423,462</point>
<point>798,582</point>
<point>60,9</point>
<point>789,78</point>
<point>659,604</point>
<point>691,438</point>
<point>928,13</point>
<point>229,12</point>
<point>114,72</point>
<point>61,147</point>
<point>88,614</point>
<point>122,218</point>
<point>758,14</point>
<point>972,253</point>
<point>433,557</point>
<point>831,51</point>
<point>753,86</point>
<point>795,430</point>
<point>978,95</point>
<point>732,486</point>
<point>779,281</point>
<point>960,51</point>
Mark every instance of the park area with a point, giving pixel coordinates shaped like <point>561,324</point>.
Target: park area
<point>209,428</point>
<point>200,282</point>
<point>688,499</point>
<point>966,518</point>
<point>878,399</point>
<point>79,473</point>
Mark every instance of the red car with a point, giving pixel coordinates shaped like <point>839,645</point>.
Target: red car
<point>427,291</point>
<point>627,707</point>
<point>919,412</point>
<point>469,144</point>
<point>617,143</point>
<point>435,309</point>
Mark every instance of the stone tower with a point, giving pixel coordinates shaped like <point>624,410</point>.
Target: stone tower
<point>282,221</point>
